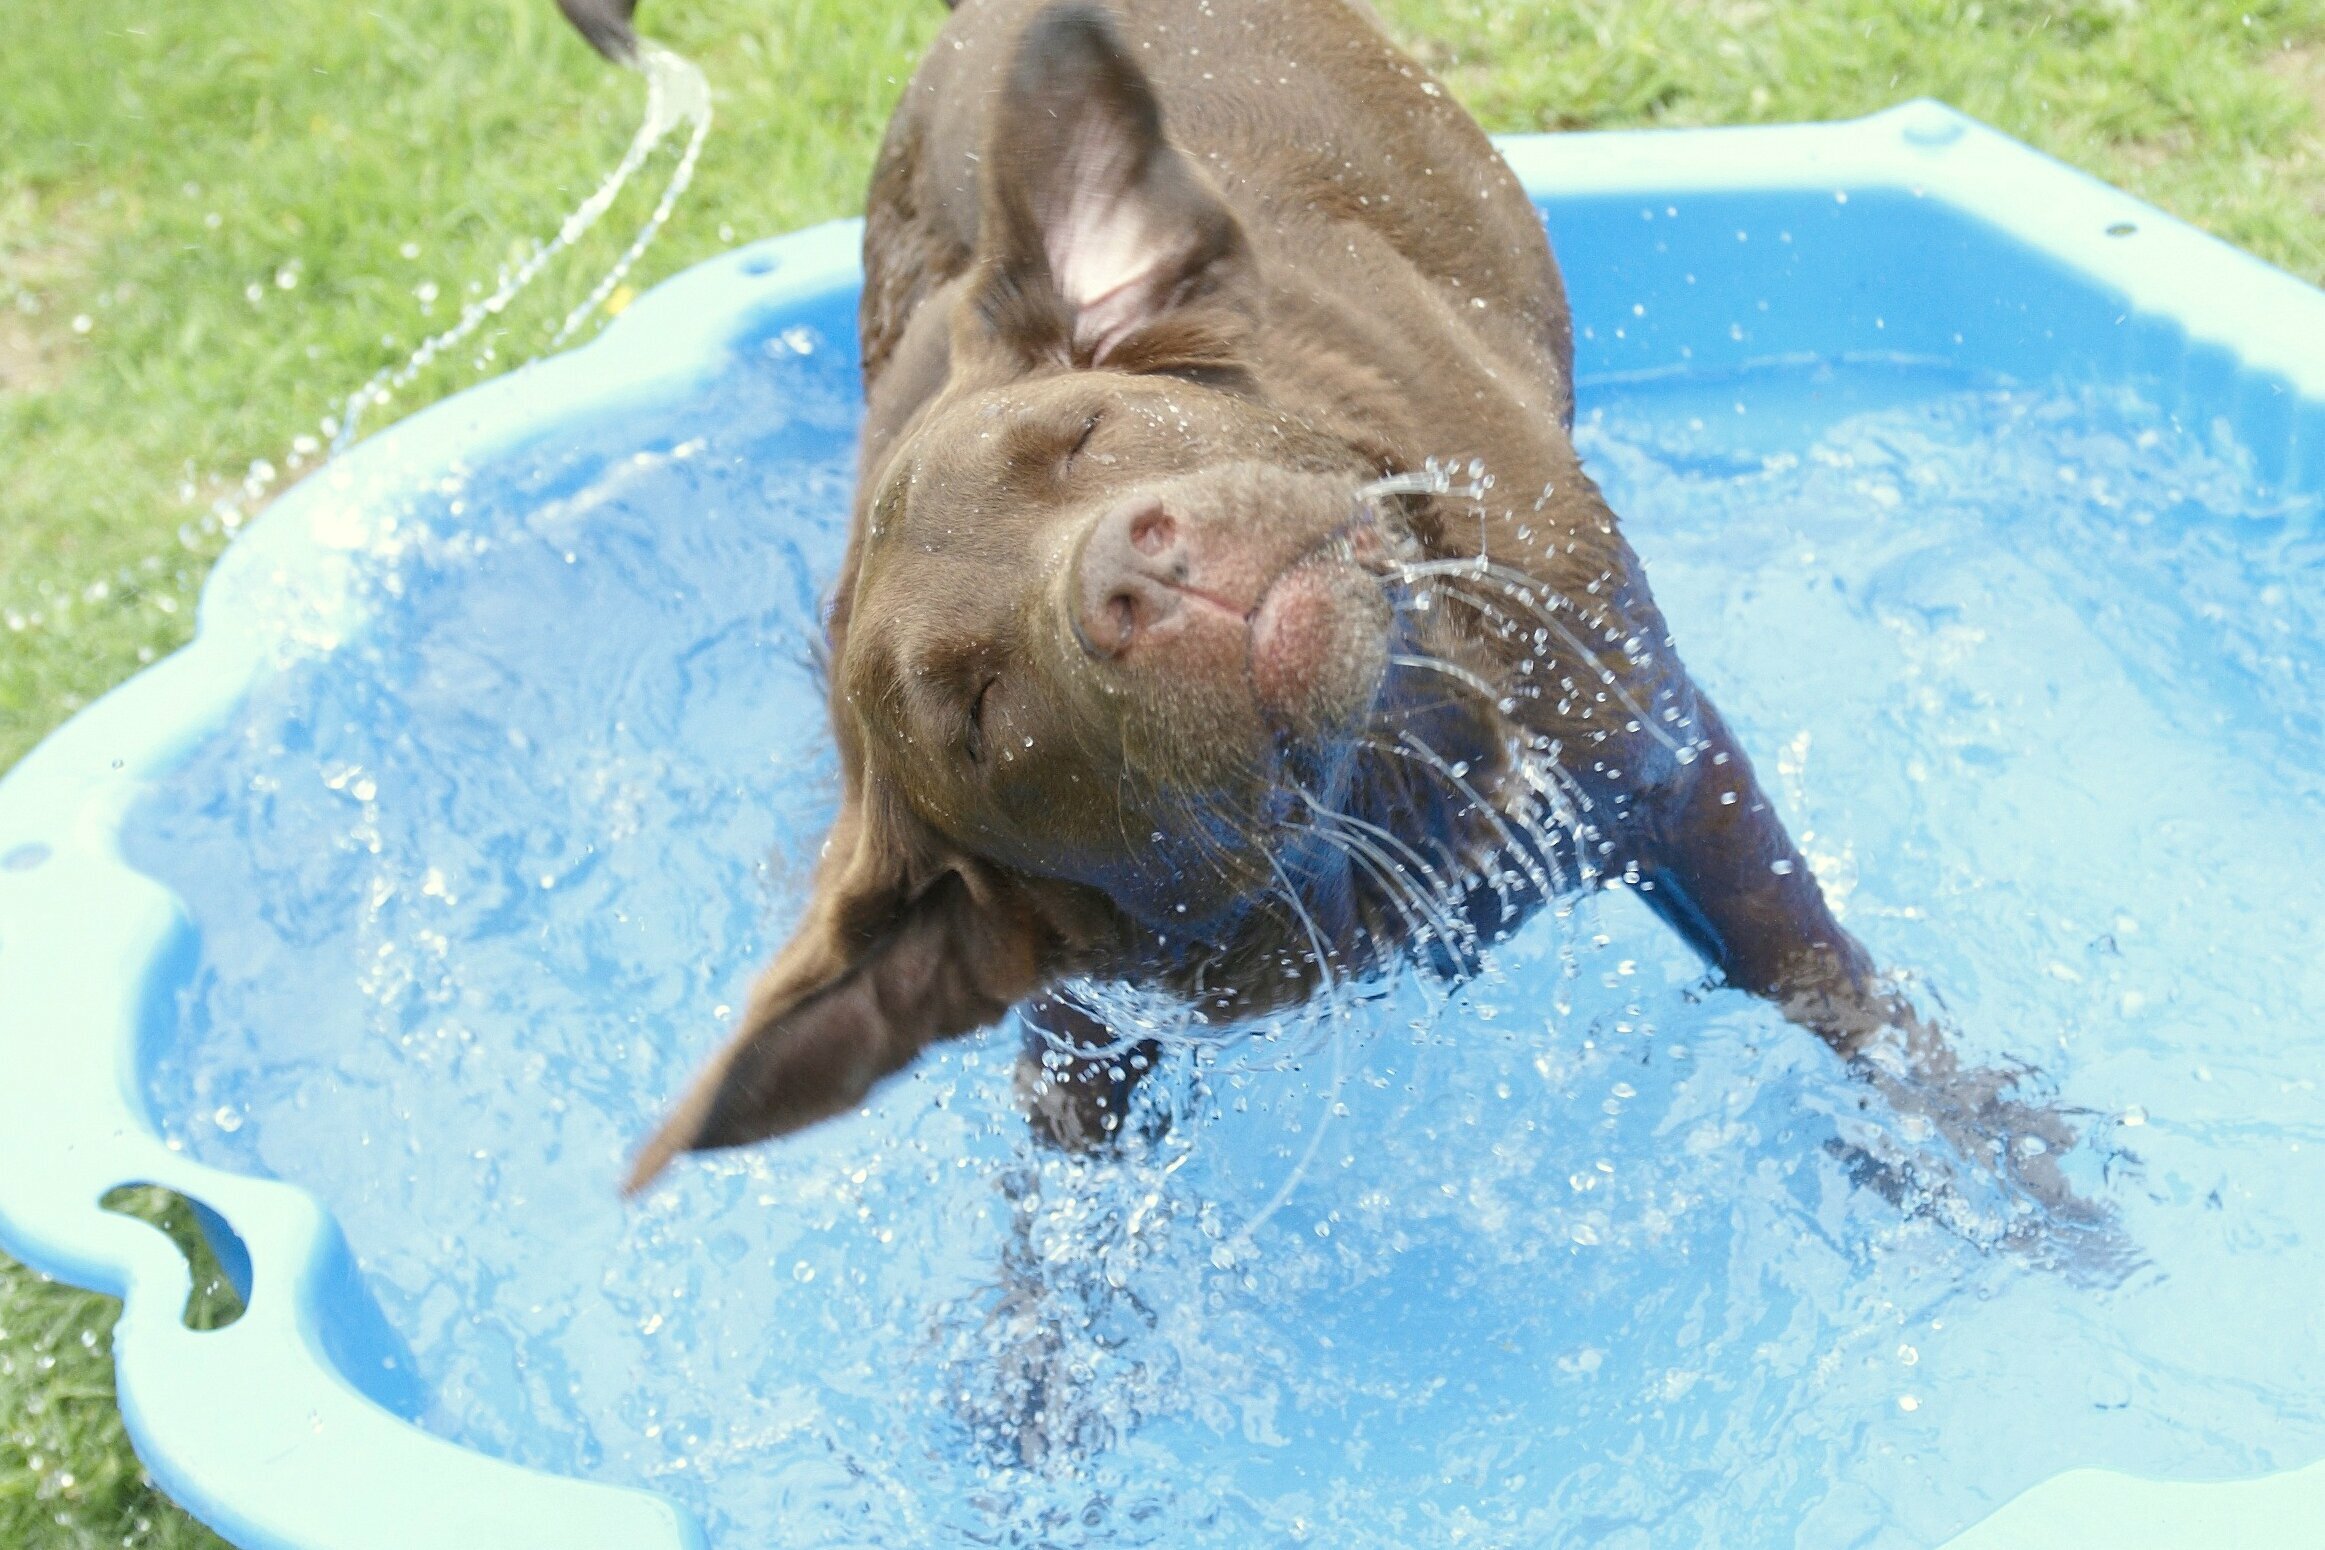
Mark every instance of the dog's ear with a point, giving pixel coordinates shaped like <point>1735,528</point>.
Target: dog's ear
<point>890,957</point>
<point>1100,243</point>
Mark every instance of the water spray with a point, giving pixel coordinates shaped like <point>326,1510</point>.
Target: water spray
<point>676,93</point>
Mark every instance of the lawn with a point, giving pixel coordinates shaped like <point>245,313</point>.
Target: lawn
<point>216,220</point>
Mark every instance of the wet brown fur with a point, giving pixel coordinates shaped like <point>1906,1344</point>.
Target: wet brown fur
<point>1351,283</point>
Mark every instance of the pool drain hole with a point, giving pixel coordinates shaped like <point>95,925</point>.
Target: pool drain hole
<point>217,1259</point>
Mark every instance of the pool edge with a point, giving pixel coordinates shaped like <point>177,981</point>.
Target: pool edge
<point>81,908</point>
<point>86,946</point>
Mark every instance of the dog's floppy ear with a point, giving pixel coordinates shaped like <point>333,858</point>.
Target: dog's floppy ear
<point>1100,243</point>
<point>883,964</point>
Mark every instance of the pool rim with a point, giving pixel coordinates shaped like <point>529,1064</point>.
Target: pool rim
<point>91,949</point>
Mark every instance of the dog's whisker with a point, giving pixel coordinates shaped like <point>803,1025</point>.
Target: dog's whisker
<point>1421,863</point>
<point>1414,748</point>
<point>1459,674</point>
<point>1521,591</point>
<point>1397,892</point>
<point>1394,895</point>
<point>1437,920</point>
<point>1441,890</point>
<point>1533,598</point>
<point>1551,883</point>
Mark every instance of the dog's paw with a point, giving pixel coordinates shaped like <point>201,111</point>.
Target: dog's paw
<point>1984,1150</point>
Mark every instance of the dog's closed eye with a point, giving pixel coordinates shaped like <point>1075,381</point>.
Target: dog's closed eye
<point>1089,429</point>
<point>1039,452</point>
<point>973,738</point>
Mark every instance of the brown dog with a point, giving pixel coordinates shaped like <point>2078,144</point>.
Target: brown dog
<point>1163,653</point>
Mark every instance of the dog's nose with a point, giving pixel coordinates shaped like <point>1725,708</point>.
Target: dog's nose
<point>1133,565</point>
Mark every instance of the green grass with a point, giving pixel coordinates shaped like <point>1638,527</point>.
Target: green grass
<point>164,164</point>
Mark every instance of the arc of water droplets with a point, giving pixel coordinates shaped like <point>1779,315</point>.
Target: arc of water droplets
<point>1240,1244</point>
<point>676,93</point>
<point>1436,478</point>
<point>1433,478</point>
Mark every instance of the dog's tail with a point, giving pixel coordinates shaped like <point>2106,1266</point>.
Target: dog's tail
<point>606,24</point>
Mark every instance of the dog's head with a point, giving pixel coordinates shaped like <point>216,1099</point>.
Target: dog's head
<point>1112,621</point>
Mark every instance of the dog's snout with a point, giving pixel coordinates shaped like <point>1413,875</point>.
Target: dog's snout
<point>1133,567</point>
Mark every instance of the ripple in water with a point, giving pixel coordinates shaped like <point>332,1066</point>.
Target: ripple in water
<point>1565,1262</point>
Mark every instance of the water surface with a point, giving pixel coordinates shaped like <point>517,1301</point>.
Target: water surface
<point>2034,674</point>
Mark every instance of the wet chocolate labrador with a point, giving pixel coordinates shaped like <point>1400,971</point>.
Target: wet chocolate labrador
<point>1227,613</point>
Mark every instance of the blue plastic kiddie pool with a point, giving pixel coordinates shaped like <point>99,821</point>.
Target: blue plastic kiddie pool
<point>381,920</point>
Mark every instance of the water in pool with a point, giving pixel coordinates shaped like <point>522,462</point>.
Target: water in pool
<point>1564,1260</point>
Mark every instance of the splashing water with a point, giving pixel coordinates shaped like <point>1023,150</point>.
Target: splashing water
<point>1567,1258</point>
<point>1434,477</point>
<point>676,94</point>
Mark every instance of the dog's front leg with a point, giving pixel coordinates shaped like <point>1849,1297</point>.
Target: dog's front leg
<point>1728,878</point>
<point>1716,863</point>
<point>1076,1101</point>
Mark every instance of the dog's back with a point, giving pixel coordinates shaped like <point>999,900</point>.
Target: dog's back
<point>1400,240</point>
